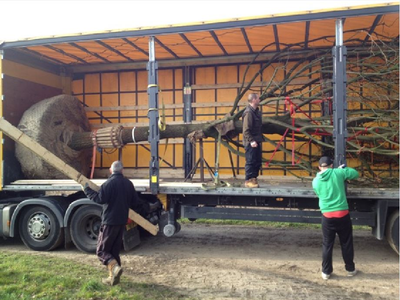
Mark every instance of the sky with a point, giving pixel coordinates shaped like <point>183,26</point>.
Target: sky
<point>27,19</point>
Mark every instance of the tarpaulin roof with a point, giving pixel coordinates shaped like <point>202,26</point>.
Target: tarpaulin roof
<point>226,38</point>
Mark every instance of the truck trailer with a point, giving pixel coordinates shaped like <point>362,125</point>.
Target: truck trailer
<point>154,98</point>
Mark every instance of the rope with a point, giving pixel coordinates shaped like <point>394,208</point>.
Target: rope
<point>109,137</point>
<point>133,135</point>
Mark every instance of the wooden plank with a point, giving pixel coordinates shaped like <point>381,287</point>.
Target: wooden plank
<point>129,107</point>
<point>295,81</point>
<point>130,124</point>
<point>21,138</point>
<point>133,109</point>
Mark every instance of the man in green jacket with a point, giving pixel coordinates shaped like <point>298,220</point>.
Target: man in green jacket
<point>329,185</point>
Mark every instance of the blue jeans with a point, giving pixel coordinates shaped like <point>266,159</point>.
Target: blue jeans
<point>344,229</point>
<point>253,161</point>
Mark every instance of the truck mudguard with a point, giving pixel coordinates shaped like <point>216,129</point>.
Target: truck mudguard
<point>48,202</point>
<point>74,205</point>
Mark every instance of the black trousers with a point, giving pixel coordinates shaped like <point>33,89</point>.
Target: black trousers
<point>109,243</point>
<point>344,229</point>
<point>253,161</point>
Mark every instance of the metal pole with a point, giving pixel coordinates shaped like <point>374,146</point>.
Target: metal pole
<point>153,115</point>
<point>339,53</point>
<point>187,118</point>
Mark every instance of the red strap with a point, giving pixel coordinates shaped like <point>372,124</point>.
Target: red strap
<point>293,142</point>
<point>357,133</point>
<point>276,148</point>
<point>292,112</point>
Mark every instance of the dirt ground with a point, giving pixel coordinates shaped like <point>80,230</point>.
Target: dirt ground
<point>240,262</point>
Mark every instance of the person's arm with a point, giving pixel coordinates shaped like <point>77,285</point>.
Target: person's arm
<point>139,205</point>
<point>135,200</point>
<point>97,197</point>
<point>350,173</point>
<point>247,125</point>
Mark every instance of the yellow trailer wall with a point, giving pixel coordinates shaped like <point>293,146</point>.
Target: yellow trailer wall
<point>214,88</point>
<point>121,98</point>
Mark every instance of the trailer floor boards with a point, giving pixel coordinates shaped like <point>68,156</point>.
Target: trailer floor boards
<point>269,186</point>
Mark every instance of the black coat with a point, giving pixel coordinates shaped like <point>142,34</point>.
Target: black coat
<point>252,125</point>
<point>116,195</point>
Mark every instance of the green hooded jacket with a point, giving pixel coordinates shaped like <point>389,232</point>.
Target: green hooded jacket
<point>330,188</point>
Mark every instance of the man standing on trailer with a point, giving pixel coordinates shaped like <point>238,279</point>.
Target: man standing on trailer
<point>329,185</point>
<point>116,195</point>
<point>252,139</point>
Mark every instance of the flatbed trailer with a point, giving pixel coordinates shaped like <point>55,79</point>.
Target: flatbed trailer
<point>118,75</point>
<point>277,200</point>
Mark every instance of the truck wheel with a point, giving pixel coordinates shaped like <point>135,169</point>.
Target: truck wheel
<point>392,231</point>
<point>40,230</point>
<point>85,226</point>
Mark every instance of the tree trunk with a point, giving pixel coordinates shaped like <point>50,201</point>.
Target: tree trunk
<point>83,140</point>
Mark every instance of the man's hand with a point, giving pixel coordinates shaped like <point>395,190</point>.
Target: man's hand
<point>253,144</point>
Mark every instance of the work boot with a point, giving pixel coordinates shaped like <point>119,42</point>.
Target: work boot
<point>114,271</point>
<point>251,183</point>
<point>255,180</point>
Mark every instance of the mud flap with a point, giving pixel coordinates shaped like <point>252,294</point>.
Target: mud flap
<point>131,238</point>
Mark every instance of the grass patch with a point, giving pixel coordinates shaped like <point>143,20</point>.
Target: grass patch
<point>24,276</point>
<point>262,224</point>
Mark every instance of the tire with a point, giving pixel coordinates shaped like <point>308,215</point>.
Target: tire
<point>40,230</point>
<point>85,226</point>
<point>392,231</point>
<point>178,227</point>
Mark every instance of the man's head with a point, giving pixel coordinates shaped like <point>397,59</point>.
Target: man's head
<point>254,100</point>
<point>325,162</point>
<point>116,167</point>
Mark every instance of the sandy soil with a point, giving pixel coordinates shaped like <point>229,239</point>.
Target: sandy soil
<point>239,262</point>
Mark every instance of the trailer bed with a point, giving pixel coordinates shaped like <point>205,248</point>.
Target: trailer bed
<point>279,187</point>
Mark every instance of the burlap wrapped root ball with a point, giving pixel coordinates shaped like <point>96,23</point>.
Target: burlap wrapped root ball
<point>51,123</point>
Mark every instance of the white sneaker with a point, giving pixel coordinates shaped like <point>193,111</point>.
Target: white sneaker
<point>351,274</point>
<point>325,276</point>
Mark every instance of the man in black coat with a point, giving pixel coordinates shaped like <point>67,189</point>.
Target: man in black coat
<point>117,195</point>
<point>252,139</point>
